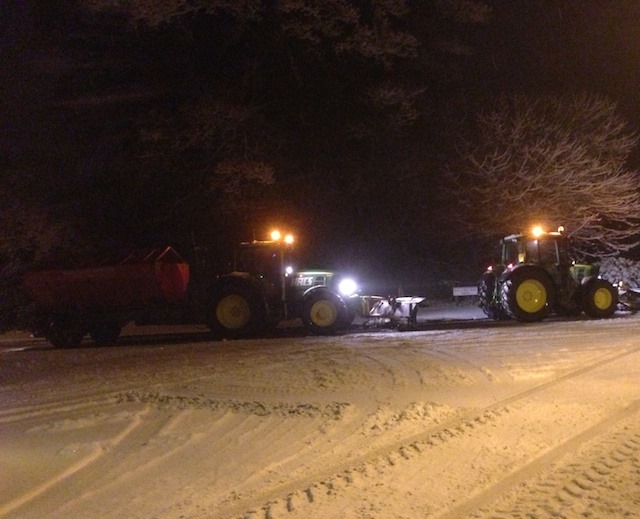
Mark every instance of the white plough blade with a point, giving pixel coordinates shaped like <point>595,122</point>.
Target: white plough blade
<point>400,312</point>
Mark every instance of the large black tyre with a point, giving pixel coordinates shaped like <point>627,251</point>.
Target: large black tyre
<point>105,332</point>
<point>599,298</point>
<point>486,301</point>
<point>237,310</point>
<point>65,332</point>
<point>324,313</point>
<point>527,294</point>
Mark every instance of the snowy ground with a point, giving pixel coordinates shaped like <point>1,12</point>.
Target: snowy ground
<point>484,420</point>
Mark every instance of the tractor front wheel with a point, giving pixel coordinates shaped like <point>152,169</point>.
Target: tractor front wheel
<point>599,298</point>
<point>324,313</point>
<point>527,295</point>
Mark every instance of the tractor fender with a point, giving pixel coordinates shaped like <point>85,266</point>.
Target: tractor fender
<point>587,279</point>
<point>321,289</point>
<point>244,281</point>
<point>584,283</point>
<point>504,275</point>
<point>507,274</point>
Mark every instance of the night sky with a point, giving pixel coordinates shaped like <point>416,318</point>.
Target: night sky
<point>208,128</point>
<point>566,46</point>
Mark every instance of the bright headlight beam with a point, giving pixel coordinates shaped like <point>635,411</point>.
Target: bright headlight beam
<point>347,287</point>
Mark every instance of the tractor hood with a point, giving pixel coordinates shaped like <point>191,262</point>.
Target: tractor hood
<point>305,279</point>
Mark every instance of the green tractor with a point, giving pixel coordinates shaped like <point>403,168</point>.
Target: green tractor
<point>264,289</point>
<point>536,276</point>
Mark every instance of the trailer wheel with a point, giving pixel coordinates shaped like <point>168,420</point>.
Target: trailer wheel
<point>324,313</point>
<point>237,311</point>
<point>599,298</point>
<point>105,333</point>
<point>65,332</point>
<point>527,294</point>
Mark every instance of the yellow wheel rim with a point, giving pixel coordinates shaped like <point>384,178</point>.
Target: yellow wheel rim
<point>531,296</point>
<point>323,313</point>
<point>233,312</point>
<point>602,299</point>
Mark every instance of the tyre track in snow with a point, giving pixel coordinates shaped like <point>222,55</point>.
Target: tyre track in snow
<point>569,484</point>
<point>87,461</point>
<point>583,477</point>
<point>302,494</point>
<point>17,414</point>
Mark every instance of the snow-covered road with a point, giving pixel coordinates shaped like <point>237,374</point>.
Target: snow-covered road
<point>539,420</point>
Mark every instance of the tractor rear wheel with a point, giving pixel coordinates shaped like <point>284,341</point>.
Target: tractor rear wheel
<point>237,311</point>
<point>486,301</point>
<point>599,298</point>
<point>527,294</point>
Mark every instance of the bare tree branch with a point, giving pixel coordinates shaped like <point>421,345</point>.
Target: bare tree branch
<point>554,162</point>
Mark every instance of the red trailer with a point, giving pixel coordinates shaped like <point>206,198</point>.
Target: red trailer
<point>100,300</point>
<point>146,277</point>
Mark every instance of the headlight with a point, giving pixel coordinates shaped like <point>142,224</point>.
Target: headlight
<point>347,287</point>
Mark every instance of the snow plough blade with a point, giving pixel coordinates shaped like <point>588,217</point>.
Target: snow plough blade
<point>395,312</point>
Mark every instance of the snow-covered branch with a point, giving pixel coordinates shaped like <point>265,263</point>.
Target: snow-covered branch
<point>553,162</point>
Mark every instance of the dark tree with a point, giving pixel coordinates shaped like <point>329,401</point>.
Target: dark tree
<point>550,161</point>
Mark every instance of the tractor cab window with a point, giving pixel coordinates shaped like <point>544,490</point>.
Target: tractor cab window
<point>531,248</point>
<point>548,252</point>
<point>543,252</point>
<point>263,261</point>
<point>510,253</point>
<point>564,251</point>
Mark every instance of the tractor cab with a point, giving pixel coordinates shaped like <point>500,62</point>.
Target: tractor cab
<point>548,250</point>
<point>267,260</point>
<point>538,248</point>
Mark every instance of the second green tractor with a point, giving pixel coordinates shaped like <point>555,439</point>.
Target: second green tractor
<point>537,276</point>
